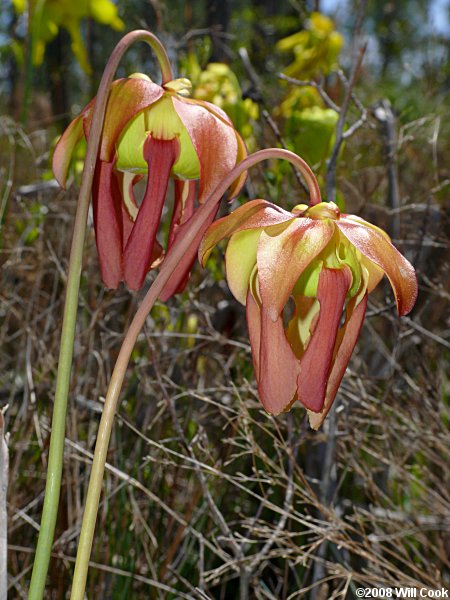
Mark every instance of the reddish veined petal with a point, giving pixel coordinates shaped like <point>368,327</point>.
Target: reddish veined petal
<point>126,99</point>
<point>274,363</point>
<point>236,187</point>
<point>379,250</point>
<point>107,201</point>
<point>252,214</point>
<point>214,141</point>
<point>282,258</point>
<point>359,221</point>
<point>212,108</point>
<point>238,184</point>
<point>160,156</point>
<point>278,369</point>
<point>317,361</point>
<point>345,345</point>
<point>64,150</point>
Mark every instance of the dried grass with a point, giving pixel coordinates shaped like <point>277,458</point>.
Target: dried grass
<point>205,495</point>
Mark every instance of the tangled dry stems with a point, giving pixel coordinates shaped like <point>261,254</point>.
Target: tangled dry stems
<point>205,495</point>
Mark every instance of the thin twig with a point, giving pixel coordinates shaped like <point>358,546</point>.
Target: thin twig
<point>4,469</point>
<point>385,116</point>
<point>287,505</point>
<point>132,481</point>
<point>214,509</point>
<point>7,176</point>
<point>332,161</point>
<point>327,484</point>
<point>359,105</point>
<point>215,512</point>
<point>317,86</point>
<point>115,571</point>
<point>259,98</point>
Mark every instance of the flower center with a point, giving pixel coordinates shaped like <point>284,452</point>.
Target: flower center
<point>181,86</point>
<point>323,210</point>
<point>336,254</point>
<point>161,121</point>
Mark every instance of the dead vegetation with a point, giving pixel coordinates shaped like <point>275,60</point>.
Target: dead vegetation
<point>205,495</point>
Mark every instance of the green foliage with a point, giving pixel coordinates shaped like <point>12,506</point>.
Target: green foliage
<point>312,131</point>
<point>309,125</point>
<point>46,17</point>
<point>316,49</point>
<point>218,84</point>
<point>29,226</point>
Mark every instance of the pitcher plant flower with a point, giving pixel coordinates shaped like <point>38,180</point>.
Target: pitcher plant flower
<point>155,131</point>
<point>325,264</point>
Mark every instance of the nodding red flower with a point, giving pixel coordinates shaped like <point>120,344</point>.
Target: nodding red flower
<point>327,263</point>
<point>155,131</point>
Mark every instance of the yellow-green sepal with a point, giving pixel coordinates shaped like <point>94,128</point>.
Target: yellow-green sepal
<point>240,260</point>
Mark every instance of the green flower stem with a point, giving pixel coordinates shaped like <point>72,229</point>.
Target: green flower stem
<point>56,450</point>
<point>199,225</point>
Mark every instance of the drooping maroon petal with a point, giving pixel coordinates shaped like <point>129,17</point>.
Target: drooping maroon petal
<point>282,258</point>
<point>377,248</point>
<point>128,222</point>
<point>214,141</point>
<point>160,156</point>
<point>107,208</point>
<point>344,347</point>
<point>316,363</point>
<point>278,367</point>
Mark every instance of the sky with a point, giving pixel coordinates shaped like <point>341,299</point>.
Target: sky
<point>438,13</point>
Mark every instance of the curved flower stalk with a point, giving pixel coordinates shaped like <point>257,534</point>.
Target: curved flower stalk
<point>327,263</point>
<point>152,130</point>
<point>110,221</point>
